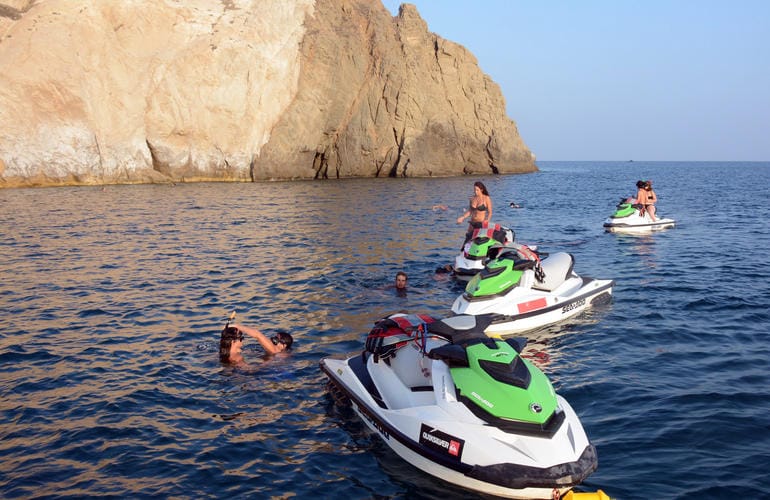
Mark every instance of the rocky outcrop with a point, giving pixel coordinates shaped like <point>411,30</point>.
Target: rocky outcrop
<point>154,91</point>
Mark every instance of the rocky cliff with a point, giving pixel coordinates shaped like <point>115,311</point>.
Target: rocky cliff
<point>96,92</point>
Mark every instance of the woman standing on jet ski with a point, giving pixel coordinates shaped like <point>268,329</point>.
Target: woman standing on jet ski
<point>479,209</point>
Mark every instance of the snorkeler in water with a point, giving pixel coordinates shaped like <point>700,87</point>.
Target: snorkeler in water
<point>231,342</point>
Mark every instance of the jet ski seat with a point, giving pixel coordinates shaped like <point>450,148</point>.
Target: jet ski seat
<point>396,344</point>
<point>404,379</point>
<point>557,268</point>
<point>413,371</point>
<point>460,328</point>
<point>456,355</point>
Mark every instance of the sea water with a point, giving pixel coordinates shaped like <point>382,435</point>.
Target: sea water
<point>112,300</point>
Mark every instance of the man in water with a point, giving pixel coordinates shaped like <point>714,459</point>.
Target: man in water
<point>231,342</point>
<point>401,280</point>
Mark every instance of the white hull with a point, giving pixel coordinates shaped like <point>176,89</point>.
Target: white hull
<point>635,223</point>
<point>465,268</point>
<point>439,435</point>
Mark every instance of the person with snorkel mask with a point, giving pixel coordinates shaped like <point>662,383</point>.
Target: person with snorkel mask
<point>231,342</point>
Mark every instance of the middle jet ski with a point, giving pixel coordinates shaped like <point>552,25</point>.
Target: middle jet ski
<point>464,407</point>
<point>519,291</point>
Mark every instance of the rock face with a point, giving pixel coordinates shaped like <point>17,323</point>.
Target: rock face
<point>95,92</point>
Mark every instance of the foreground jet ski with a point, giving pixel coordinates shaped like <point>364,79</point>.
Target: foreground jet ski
<point>480,248</point>
<point>465,408</point>
<point>519,291</point>
<point>627,219</point>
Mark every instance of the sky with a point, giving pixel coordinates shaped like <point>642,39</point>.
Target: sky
<point>649,80</point>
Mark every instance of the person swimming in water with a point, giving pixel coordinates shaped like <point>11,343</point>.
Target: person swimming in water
<point>479,209</point>
<point>231,342</point>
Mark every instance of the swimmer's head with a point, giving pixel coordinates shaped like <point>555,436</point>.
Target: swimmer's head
<point>282,338</point>
<point>230,336</point>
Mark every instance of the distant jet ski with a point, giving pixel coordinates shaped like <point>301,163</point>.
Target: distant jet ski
<point>518,291</point>
<point>627,219</point>
<point>464,408</point>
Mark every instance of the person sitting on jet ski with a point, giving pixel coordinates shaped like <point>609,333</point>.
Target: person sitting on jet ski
<point>641,197</point>
<point>231,342</point>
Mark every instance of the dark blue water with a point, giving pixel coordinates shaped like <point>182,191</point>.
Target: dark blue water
<point>111,303</point>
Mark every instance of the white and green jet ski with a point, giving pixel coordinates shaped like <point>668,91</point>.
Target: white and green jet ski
<point>479,249</point>
<point>464,407</point>
<point>628,219</point>
<point>518,291</point>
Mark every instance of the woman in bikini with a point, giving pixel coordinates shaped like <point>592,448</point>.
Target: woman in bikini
<point>652,198</point>
<point>479,209</point>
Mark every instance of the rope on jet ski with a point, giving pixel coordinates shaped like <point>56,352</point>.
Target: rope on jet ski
<point>420,339</point>
<point>396,331</point>
<point>527,253</point>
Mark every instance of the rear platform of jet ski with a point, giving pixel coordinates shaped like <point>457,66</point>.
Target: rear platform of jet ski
<point>417,405</point>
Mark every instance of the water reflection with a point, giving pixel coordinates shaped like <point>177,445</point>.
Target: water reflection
<point>642,247</point>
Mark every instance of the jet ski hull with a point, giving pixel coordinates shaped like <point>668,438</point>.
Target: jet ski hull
<point>464,268</point>
<point>612,226</point>
<point>635,223</point>
<point>431,430</point>
<point>553,310</point>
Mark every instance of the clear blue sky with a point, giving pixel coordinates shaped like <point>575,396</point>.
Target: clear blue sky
<point>623,79</point>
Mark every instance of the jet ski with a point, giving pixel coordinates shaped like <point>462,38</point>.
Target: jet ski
<point>479,249</point>
<point>628,219</point>
<point>464,407</point>
<point>521,289</point>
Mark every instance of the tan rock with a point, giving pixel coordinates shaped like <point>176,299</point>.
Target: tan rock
<point>146,91</point>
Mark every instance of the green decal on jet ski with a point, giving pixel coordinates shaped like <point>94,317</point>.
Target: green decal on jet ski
<point>479,248</point>
<point>504,384</point>
<point>497,277</point>
<point>624,210</point>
